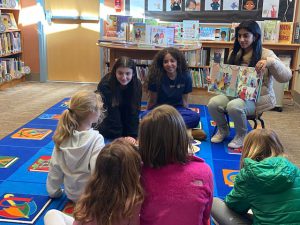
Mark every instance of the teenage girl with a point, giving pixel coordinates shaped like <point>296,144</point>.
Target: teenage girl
<point>268,183</point>
<point>113,195</point>
<point>247,51</point>
<point>178,186</point>
<point>77,146</point>
<point>121,91</point>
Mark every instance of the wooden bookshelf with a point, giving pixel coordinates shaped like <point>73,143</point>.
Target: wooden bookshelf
<point>11,51</point>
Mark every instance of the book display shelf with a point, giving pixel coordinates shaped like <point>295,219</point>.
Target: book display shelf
<point>11,64</point>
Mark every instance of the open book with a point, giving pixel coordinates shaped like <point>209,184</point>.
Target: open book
<point>235,81</point>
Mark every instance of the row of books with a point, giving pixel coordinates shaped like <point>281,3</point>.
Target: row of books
<point>11,68</point>
<point>8,4</point>
<point>10,43</point>
<point>151,31</point>
<point>199,77</point>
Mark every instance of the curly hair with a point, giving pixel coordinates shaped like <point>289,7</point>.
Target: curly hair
<point>114,190</point>
<point>156,70</point>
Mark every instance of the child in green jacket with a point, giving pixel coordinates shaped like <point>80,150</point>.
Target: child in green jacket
<point>268,184</point>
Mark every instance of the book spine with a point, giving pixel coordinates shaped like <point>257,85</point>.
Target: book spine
<point>296,38</point>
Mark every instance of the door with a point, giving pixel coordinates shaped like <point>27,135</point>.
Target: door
<point>71,36</point>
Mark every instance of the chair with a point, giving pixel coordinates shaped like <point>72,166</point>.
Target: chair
<point>254,118</point>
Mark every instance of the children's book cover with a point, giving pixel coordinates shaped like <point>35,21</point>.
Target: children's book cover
<point>41,164</point>
<point>271,31</point>
<point>190,29</point>
<point>139,32</point>
<point>217,55</point>
<point>110,26</point>
<point>9,21</point>
<point>47,116</point>
<point>162,35</point>
<point>31,134</point>
<point>285,32</point>
<point>122,23</point>
<point>235,81</point>
<point>224,34</point>
<point>270,8</point>
<point>232,31</point>
<point>250,5</point>
<point>207,33</point>
<point>7,161</point>
<point>155,5</point>
<point>214,5</point>
<point>231,4</point>
<point>192,5</point>
<point>22,208</point>
<point>173,5</point>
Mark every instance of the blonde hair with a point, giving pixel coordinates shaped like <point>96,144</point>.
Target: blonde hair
<point>114,190</point>
<point>81,105</point>
<point>260,144</point>
<point>163,137</point>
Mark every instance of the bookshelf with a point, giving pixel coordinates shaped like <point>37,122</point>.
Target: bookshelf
<point>11,64</point>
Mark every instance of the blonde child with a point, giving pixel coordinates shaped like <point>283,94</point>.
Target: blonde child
<point>77,146</point>
<point>268,183</point>
<point>178,186</point>
<point>113,195</point>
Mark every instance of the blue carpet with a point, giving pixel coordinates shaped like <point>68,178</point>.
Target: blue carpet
<point>23,161</point>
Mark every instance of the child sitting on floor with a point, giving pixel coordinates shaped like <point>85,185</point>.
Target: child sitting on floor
<point>113,195</point>
<point>268,184</point>
<point>77,146</point>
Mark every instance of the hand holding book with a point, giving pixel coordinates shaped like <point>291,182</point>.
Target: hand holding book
<point>261,66</point>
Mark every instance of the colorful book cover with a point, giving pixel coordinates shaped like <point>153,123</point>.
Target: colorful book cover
<point>41,164</point>
<point>173,5</point>
<point>270,8</point>
<point>7,161</point>
<point>110,26</point>
<point>122,23</point>
<point>192,5</point>
<point>22,208</point>
<point>217,55</point>
<point>138,32</point>
<point>271,31</point>
<point>285,32</point>
<point>235,81</point>
<point>47,116</point>
<point>162,35</point>
<point>224,34</point>
<point>207,33</point>
<point>31,134</point>
<point>190,29</point>
<point>9,21</point>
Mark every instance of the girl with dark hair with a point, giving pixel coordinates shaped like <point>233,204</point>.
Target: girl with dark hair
<point>178,186</point>
<point>113,195</point>
<point>121,91</point>
<point>247,51</point>
<point>169,82</point>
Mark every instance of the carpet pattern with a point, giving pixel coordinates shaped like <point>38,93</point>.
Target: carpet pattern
<point>26,152</point>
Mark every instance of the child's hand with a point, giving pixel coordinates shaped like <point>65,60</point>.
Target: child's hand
<point>208,79</point>
<point>131,140</point>
<point>261,65</point>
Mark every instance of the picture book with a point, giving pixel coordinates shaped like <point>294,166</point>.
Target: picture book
<point>250,5</point>
<point>162,35</point>
<point>173,5</point>
<point>138,32</point>
<point>122,25</point>
<point>271,31</point>
<point>217,55</point>
<point>270,8</point>
<point>47,116</point>
<point>207,33</point>
<point>110,26</point>
<point>192,5</point>
<point>224,34</point>
<point>41,164</point>
<point>285,32</point>
<point>232,31</point>
<point>22,208</point>
<point>31,134</point>
<point>214,5</point>
<point>7,161</point>
<point>235,81</point>
<point>155,5</point>
<point>231,4</point>
<point>190,29</point>
<point>9,21</point>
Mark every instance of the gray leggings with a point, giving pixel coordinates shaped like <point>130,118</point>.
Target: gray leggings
<point>237,109</point>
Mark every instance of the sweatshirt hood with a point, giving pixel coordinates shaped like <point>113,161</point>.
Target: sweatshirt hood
<point>273,174</point>
<point>76,148</point>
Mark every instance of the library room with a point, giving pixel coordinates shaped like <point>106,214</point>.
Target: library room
<point>218,81</point>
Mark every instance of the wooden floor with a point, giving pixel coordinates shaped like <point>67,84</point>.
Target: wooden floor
<point>27,100</point>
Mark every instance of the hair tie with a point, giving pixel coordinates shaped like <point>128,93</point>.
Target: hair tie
<point>70,110</point>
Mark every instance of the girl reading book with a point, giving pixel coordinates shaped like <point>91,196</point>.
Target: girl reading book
<point>247,51</point>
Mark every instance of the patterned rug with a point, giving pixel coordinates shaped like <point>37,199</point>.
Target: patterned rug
<point>25,155</point>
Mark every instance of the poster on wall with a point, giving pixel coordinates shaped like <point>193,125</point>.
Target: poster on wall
<point>192,5</point>
<point>174,5</point>
<point>250,5</point>
<point>270,8</point>
<point>231,4</point>
<point>213,5</point>
<point>155,5</point>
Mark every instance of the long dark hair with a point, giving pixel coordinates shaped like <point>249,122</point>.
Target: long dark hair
<point>252,27</point>
<point>134,85</point>
<point>156,70</point>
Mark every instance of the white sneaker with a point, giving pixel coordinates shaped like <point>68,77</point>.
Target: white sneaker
<point>237,141</point>
<point>221,134</point>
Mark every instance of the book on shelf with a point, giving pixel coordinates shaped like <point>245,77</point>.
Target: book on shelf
<point>138,32</point>
<point>285,32</point>
<point>271,31</point>
<point>235,81</point>
<point>8,19</point>
<point>224,34</point>
<point>232,31</point>
<point>162,36</point>
<point>217,55</point>
<point>190,30</point>
<point>207,33</point>
<point>296,36</point>
<point>122,26</point>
